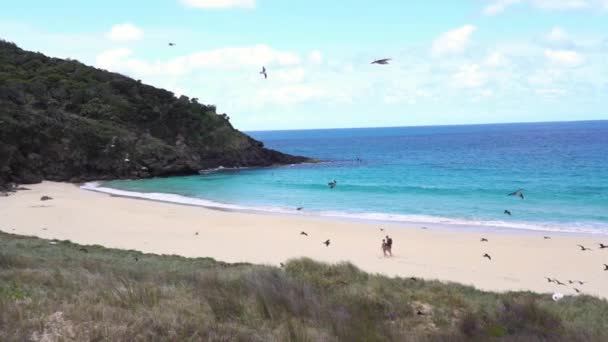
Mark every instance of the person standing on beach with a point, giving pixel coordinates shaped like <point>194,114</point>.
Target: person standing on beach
<point>384,248</point>
<point>389,245</point>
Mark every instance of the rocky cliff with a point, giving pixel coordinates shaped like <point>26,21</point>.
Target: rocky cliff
<point>61,120</point>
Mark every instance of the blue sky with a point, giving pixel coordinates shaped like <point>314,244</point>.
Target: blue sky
<point>454,62</point>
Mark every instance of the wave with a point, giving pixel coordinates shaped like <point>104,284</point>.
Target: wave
<point>422,220</point>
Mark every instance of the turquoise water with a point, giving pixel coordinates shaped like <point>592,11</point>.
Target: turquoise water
<point>442,175</point>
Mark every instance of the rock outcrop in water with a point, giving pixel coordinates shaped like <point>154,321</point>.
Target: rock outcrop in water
<point>61,120</point>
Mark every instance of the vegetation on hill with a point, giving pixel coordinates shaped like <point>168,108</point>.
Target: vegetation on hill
<point>57,290</point>
<point>62,120</point>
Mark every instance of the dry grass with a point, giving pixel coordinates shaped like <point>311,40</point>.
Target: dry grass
<point>56,292</point>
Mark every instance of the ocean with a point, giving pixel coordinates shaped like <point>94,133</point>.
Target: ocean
<point>455,176</point>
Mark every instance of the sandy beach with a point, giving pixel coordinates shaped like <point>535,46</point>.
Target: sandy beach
<point>520,261</point>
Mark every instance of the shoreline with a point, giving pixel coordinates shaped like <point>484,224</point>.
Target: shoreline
<point>519,261</point>
<point>481,227</point>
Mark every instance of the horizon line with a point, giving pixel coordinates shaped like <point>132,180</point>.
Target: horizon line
<point>412,126</point>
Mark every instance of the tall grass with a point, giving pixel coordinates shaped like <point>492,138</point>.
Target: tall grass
<point>56,292</point>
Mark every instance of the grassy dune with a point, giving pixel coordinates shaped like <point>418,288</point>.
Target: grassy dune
<point>60,291</point>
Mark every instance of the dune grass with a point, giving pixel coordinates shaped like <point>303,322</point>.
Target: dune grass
<point>60,291</point>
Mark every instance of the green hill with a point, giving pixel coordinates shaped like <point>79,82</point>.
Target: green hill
<point>62,120</point>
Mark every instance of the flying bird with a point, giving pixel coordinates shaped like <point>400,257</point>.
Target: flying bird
<point>171,44</point>
<point>577,290</point>
<point>549,280</point>
<point>326,243</point>
<point>507,212</point>
<point>332,184</point>
<point>583,248</point>
<point>487,256</point>
<point>518,193</point>
<point>483,240</point>
<point>282,264</point>
<point>381,61</point>
<point>559,282</point>
<point>304,233</point>
<point>263,72</point>
<point>602,246</point>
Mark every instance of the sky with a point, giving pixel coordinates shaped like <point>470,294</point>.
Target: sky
<point>453,62</point>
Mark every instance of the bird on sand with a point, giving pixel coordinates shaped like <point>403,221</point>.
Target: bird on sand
<point>582,282</point>
<point>326,243</point>
<point>304,233</point>
<point>507,212</point>
<point>381,61</point>
<point>518,193</point>
<point>483,240</point>
<point>263,72</point>
<point>381,229</point>
<point>602,246</point>
<point>605,267</point>
<point>583,248</point>
<point>546,237</point>
<point>46,198</point>
<point>487,256</point>
<point>332,184</point>
<point>196,233</point>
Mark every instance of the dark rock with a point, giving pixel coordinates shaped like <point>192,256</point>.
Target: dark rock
<point>96,125</point>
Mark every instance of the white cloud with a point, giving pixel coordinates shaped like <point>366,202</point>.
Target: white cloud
<point>109,58</point>
<point>557,35</point>
<point>454,41</point>
<point>496,59</point>
<point>561,4</point>
<point>125,32</point>
<point>316,57</point>
<point>293,75</point>
<point>567,58</point>
<point>215,4</point>
<point>499,6</point>
<point>469,76</point>
<point>227,58</point>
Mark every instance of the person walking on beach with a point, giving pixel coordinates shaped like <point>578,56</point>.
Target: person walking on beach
<point>384,247</point>
<point>389,245</point>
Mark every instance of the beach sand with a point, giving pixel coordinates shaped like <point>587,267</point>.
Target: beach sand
<point>520,261</point>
